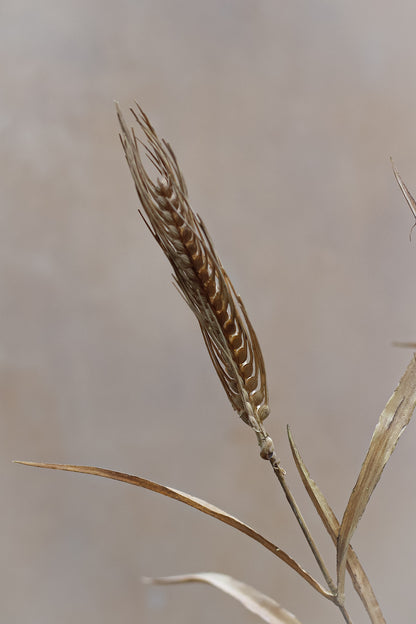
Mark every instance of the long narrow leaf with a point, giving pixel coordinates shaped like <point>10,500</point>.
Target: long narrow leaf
<point>393,420</point>
<point>405,345</point>
<point>192,501</point>
<point>406,194</point>
<point>358,576</point>
<point>261,605</point>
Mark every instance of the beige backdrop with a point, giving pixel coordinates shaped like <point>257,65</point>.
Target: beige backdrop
<point>283,116</point>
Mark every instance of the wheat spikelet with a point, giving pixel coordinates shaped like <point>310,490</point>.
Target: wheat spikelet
<point>199,275</point>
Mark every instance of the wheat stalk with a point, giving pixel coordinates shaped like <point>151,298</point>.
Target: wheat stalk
<point>199,275</point>
<point>235,352</point>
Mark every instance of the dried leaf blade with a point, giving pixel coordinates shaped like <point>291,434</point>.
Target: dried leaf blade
<point>405,345</point>
<point>356,571</point>
<point>263,606</point>
<point>317,497</point>
<point>192,501</point>
<point>393,420</point>
<point>406,194</point>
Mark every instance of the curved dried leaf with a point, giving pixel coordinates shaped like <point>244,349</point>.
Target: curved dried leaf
<point>358,576</point>
<point>406,193</point>
<point>405,345</point>
<point>192,501</point>
<point>258,603</point>
<point>393,420</point>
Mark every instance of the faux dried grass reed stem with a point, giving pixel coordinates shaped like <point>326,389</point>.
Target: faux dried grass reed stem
<point>235,352</point>
<point>201,279</point>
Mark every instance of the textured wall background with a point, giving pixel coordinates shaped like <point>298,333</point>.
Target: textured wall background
<point>283,116</point>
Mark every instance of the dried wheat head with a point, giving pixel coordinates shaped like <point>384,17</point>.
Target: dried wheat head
<point>229,336</point>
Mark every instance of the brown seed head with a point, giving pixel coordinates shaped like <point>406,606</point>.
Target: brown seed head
<point>228,334</point>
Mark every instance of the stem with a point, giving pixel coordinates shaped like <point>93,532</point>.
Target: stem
<point>268,452</point>
<point>344,613</point>
<point>280,474</point>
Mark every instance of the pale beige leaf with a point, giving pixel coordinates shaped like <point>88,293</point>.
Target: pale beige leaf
<point>406,193</point>
<point>358,576</point>
<point>192,501</point>
<point>393,420</point>
<point>405,345</point>
<point>263,606</point>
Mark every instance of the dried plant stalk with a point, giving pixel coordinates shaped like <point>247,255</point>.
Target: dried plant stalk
<point>228,334</point>
<point>358,576</point>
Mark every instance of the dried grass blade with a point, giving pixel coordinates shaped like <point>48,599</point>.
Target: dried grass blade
<point>358,576</point>
<point>192,501</point>
<point>258,603</point>
<point>229,336</point>
<point>406,193</point>
<point>405,345</point>
<point>393,420</point>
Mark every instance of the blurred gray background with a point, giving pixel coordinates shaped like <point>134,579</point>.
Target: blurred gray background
<point>283,117</point>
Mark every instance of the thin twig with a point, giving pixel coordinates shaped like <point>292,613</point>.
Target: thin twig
<point>280,474</point>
